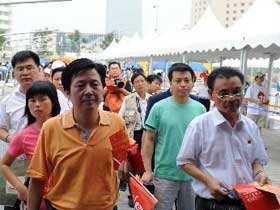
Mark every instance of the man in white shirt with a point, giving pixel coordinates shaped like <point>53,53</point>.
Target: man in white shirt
<point>257,98</point>
<point>222,148</point>
<point>26,70</point>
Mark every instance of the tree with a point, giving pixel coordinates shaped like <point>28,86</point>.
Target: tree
<point>2,38</point>
<point>43,42</point>
<point>108,38</point>
<point>75,41</point>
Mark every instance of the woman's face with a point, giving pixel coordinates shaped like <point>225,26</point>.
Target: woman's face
<point>56,80</point>
<point>40,106</point>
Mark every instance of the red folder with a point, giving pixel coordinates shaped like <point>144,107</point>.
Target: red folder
<point>256,199</point>
<point>142,198</point>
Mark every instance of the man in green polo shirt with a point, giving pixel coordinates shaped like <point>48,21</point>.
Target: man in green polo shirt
<point>165,128</point>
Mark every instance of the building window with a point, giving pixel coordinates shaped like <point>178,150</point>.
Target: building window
<point>234,18</point>
<point>235,5</point>
<point>234,11</point>
<point>226,25</point>
<point>228,5</point>
<point>242,4</point>
<point>227,18</point>
<point>242,11</point>
<point>227,11</point>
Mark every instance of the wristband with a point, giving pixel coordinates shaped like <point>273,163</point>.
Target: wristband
<point>258,172</point>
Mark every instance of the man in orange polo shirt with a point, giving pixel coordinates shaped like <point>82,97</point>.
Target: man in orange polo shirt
<point>77,149</point>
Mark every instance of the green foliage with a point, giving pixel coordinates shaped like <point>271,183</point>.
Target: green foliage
<point>2,38</point>
<point>75,39</point>
<point>107,40</point>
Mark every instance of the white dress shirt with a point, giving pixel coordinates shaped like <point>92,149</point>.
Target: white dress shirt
<point>224,152</point>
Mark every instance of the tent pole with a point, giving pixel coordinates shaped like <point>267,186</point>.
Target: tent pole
<point>268,88</point>
<point>150,66</point>
<point>183,58</point>
<point>221,61</point>
<point>269,75</point>
<point>165,75</point>
<point>243,61</point>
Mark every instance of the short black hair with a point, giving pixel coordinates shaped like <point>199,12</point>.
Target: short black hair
<point>79,65</point>
<point>137,74</point>
<point>180,67</point>
<point>22,56</point>
<point>112,63</point>
<point>40,87</point>
<point>153,77</point>
<point>223,72</point>
<point>54,71</point>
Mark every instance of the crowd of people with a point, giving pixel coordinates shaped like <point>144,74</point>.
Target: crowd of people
<point>76,124</point>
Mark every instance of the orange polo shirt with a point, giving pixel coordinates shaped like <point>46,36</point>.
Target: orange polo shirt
<point>82,174</point>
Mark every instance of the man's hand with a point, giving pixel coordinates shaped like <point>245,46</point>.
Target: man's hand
<point>22,192</point>
<point>262,178</point>
<point>147,177</point>
<point>217,188</point>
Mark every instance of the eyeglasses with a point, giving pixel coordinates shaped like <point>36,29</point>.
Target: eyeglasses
<point>227,96</point>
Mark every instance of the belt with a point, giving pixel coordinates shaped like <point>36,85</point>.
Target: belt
<point>212,204</point>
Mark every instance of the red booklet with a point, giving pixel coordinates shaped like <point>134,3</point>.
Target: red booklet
<point>142,198</point>
<point>255,197</point>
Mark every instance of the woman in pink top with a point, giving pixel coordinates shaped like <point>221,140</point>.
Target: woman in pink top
<point>41,104</point>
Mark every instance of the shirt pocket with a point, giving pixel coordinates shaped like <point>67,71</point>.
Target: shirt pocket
<point>214,154</point>
<point>129,117</point>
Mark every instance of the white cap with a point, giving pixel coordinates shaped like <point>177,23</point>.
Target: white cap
<point>57,64</point>
<point>47,71</point>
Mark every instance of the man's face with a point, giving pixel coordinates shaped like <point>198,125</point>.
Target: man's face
<point>181,83</point>
<point>86,91</point>
<point>259,80</point>
<point>139,84</point>
<point>26,72</point>
<point>154,86</point>
<point>227,95</point>
<point>114,71</point>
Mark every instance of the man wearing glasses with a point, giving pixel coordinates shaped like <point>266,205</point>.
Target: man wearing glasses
<point>26,70</point>
<point>222,148</point>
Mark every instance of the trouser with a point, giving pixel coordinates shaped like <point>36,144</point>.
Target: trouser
<point>212,204</point>
<point>258,119</point>
<point>166,191</point>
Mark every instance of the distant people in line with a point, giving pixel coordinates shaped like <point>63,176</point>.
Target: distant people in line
<point>117,87</point>
<point>202,93</point>
<point>64,100</point>
<point>78,149</point>
<point>154,82</point>
<point>26,70</point>
<point>222,147</point>
<point>133,111</point>
<point>41,104</point>
<point>257,98</point>
<point>165,128</point>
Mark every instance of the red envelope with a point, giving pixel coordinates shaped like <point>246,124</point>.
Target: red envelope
<point>143,199</point>
<point>255,199</point>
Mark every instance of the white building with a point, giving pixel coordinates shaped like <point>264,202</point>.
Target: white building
<point>5,18</point>
<point>227,11</point>
<point>124,17</point>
